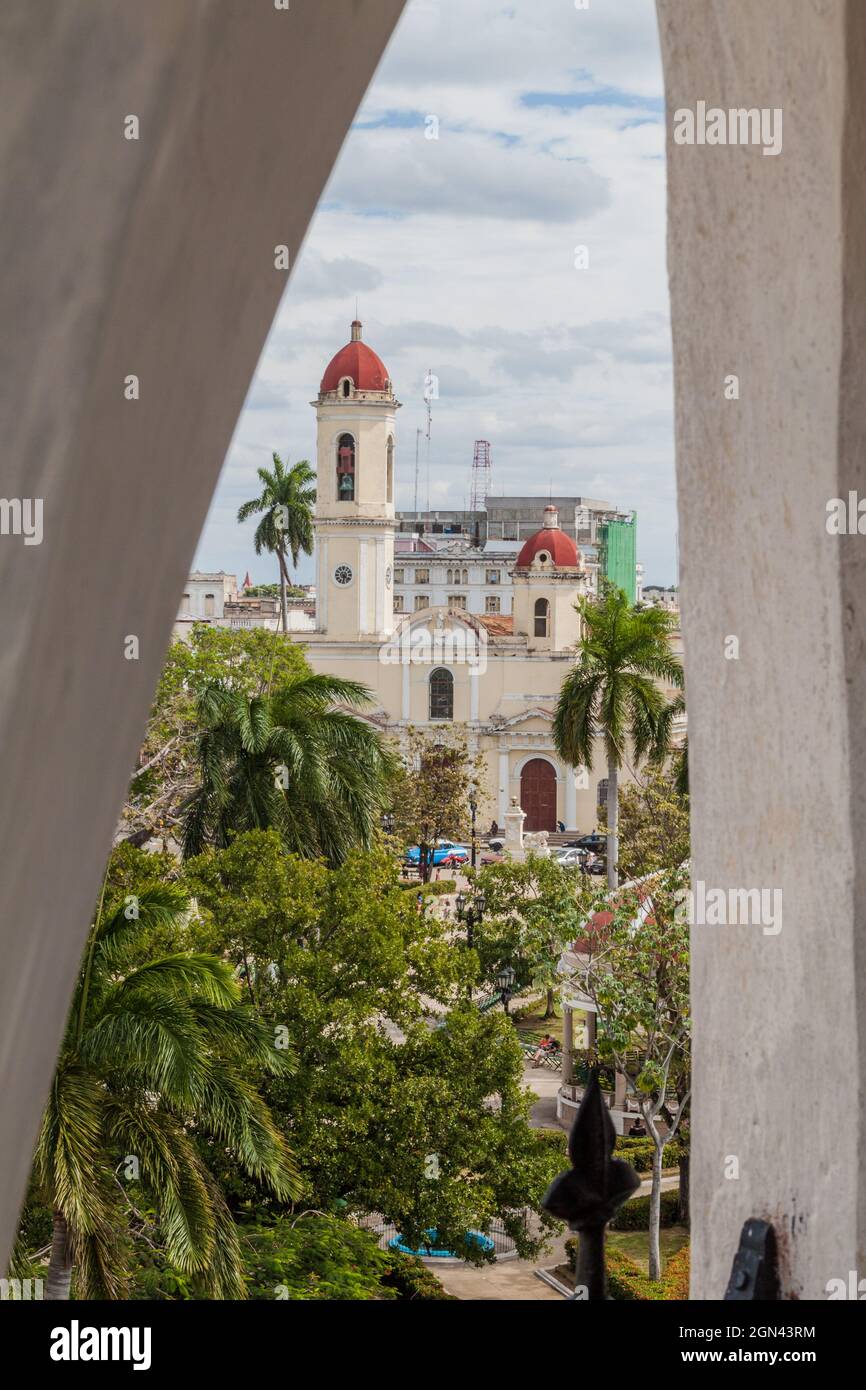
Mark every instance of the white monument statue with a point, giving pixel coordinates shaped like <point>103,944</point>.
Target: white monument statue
<point>514,818</point>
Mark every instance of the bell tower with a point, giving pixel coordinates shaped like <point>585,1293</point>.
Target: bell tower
<point>354,523</point>
<point>548,578</point>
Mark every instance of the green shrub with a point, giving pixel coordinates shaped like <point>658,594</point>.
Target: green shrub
<point>627,1283</point>
<point>639,1153</point>
<point>554,1139</point>
<point>413,1280</point>
<point>676,1277</point>
<point>634,1214</point>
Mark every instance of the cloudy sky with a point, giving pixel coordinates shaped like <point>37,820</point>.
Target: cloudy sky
<point>461,252</point>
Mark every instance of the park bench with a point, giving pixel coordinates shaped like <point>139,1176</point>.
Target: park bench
<point>551,1060</point>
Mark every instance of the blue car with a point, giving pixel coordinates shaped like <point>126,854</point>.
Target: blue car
<point>445,852</point>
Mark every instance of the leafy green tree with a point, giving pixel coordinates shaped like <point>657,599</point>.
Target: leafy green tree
<point>613,692</point>
<point>156,1052</point>
<point>433,789</point>
<point>292,762</point>
<point>319,1256</point>
<point>272,591</point>
<point>636,970</point>
<point>315,1257</point>
<point>286,500</point>
<point>389,1109</point>
<point>251,662</point>
<point>654,824</point>
<point>532,912</point>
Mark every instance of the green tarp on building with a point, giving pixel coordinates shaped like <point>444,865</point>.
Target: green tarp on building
<point>618,553</point>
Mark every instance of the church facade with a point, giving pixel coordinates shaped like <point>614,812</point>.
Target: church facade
<point>496,676</point>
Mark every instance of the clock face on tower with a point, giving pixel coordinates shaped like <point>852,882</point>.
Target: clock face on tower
<point>388,577</point>
<point>343,575</point>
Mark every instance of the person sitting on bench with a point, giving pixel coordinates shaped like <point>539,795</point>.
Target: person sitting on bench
<point>546,1045</point>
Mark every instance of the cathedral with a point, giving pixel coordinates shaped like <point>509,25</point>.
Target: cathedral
<point>496,676</point>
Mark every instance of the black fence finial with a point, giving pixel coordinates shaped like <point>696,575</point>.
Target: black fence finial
<point>591,1192</point>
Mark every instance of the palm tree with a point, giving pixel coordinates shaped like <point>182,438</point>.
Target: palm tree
<point>290,762</point>
<point>613,693</point>
<point>679,752</point>
<point>156,1050</point>
<point>287,502</point>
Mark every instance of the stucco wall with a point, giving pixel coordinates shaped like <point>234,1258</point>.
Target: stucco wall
<point>152,257</point>
<point>767,282</point>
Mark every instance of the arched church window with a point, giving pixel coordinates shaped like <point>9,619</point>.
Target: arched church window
<point>345,468</point>
<point>347,386</point>
<point>465,576</point>
<point>542,617</point>
<point>390,470</point>
<point>441,694</point>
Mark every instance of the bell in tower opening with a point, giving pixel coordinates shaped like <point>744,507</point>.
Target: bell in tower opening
<point>346,468</point>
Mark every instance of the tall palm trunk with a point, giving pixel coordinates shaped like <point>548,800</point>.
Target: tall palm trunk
<point>59,1278</point>
<point>612,824</point>
<point>284,607</point>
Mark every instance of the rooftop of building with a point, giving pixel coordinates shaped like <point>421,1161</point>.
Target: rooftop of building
<point>358,363</point>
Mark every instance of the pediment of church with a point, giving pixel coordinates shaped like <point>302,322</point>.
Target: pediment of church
<point>534,718</point>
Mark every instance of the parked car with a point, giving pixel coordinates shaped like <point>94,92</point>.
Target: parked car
<point>445,852</point>
<point>596,842</point>
<point>598,866</point>
<point>569,858</point>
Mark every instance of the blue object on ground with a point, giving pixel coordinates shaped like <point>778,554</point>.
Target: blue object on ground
<point>432,1252</point>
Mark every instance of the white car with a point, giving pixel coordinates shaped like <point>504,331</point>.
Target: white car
<point>569,858</point>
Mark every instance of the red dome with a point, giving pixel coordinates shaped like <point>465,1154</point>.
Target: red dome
<point>551,541</point>
<point>367,371</point>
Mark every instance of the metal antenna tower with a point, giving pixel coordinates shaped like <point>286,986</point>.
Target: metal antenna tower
<point>431,389</point>
<point>418,434</point>
<point>482,466</point>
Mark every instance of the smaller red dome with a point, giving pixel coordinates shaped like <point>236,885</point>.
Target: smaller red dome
<point>550,541</point>
<point>367,371</point>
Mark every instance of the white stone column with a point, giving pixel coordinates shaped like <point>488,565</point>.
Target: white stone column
<point>362,581</point>
<point>570,797</point>
<point>324,584</point>
<point>503,786</point>
<point>380,584</point>
<point>767,260</point>
<point>152,247</point>
<point>406,710</point>
<point>473,694</point>
<point>567,1045</point>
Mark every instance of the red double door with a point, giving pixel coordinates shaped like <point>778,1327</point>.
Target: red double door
<point>538,795</point>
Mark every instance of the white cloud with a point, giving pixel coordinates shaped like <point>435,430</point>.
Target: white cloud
<point>401,172</point>
<point>461,251</point>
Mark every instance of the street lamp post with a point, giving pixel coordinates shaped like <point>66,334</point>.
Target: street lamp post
<point>473,807</point>
<point>470,911</point>
<point>505,980</point>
